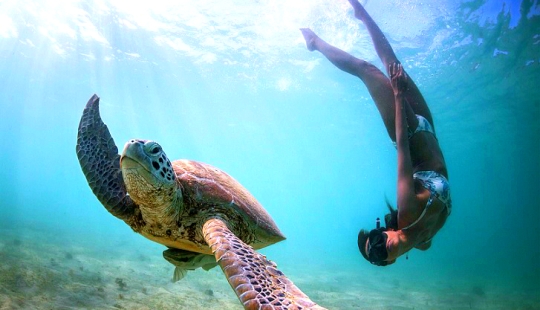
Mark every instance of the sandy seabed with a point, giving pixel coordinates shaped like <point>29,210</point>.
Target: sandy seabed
<point>38,273</point>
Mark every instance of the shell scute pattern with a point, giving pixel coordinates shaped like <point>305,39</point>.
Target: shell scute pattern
<point>208,190</point>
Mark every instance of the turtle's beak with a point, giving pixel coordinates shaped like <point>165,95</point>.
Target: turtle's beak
<point>128,163</point>
<point>134,158</point>
<point>133,155</point>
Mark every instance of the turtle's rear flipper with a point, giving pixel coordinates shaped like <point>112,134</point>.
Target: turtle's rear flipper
<point>256,280</point>
<point>187,260</point>
<point>179,274</point>
<point>100,162</point>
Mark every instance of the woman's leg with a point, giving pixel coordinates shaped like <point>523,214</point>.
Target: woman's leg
<point>387,56</point>
<point>376,82</point>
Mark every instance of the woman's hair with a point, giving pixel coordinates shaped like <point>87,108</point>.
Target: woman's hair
<point>391,219</point>
<point>362,238</point>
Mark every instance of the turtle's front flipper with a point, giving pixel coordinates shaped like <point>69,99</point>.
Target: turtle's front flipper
<point>256,280</point>
<point>100,162</point>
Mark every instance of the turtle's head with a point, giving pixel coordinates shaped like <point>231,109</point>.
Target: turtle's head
<point>149,177</point>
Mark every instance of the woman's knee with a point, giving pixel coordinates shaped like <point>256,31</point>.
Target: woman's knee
<point>367,71</point>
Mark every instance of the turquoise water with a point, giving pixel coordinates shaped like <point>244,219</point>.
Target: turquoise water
<point>232,84</point>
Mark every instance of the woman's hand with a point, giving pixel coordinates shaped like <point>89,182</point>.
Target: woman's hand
<point>399,78</point>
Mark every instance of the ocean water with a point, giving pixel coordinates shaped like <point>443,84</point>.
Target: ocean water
<point>230,83</point>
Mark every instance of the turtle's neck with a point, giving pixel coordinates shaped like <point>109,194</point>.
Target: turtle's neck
<point>159,203</point>
<point>162,214</point>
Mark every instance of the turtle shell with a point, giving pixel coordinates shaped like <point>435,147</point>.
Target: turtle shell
<point>206,192</point>
<point>210,192</point>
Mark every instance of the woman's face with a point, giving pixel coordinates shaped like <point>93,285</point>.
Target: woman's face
<point>376,247</point>
<point>392,246</point>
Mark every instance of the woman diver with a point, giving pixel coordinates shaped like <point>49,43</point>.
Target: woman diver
<point>423,196</point>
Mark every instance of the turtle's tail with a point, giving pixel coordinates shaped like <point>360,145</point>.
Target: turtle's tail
<point>100,162</point>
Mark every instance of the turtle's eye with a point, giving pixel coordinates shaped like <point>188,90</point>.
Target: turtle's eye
<point>153,148</point>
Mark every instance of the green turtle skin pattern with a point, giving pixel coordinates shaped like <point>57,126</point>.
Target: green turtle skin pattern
<point>256,281</point>
<point>100,162</point>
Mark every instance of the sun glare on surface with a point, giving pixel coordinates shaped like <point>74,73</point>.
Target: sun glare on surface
<point>252,35</point>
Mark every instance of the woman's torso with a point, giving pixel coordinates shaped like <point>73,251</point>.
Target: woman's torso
<point>426,155</point>
<point>422,227</point>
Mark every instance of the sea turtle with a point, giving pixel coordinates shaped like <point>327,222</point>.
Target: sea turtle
<point>193,208</point>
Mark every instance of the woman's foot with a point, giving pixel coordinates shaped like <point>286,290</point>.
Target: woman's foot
<point>310,37</point>
<point>359,10</point>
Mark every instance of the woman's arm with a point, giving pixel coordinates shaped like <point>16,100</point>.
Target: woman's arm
<point>406,196</point>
